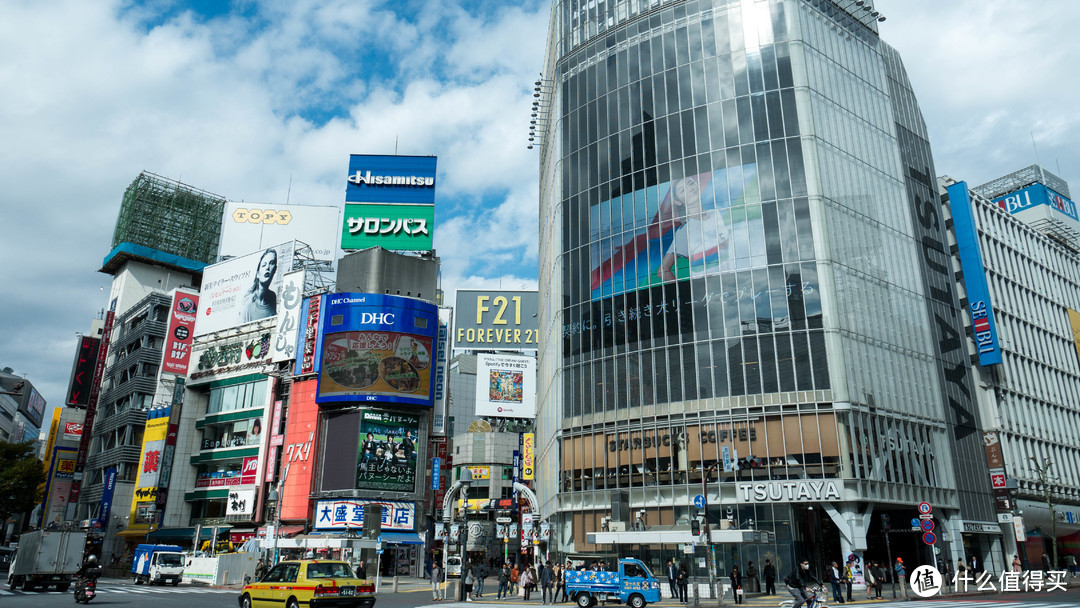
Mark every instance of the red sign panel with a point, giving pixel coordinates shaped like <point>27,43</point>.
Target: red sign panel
<point>83,373</point>
<point>181,328</point>
<point>997,479</point>
<point>311,331</point>
<point>72,430</point>
<point>249,470</point>
<point>299,450</point>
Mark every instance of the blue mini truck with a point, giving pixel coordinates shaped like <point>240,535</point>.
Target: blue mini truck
<point>633,585</point>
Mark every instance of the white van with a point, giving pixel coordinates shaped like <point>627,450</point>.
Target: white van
<point>453,566</point>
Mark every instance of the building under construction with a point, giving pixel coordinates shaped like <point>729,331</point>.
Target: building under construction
<point>164,221</point>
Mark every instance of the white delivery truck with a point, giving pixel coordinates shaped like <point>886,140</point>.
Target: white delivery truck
<point>46,558</point>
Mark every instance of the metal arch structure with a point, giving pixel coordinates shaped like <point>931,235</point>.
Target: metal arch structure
<point>530,496</point>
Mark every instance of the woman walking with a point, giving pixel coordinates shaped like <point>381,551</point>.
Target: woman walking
<point>527,581</point>
<point>736,584</point>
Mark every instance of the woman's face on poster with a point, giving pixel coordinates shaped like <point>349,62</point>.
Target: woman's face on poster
<point>267,267</point>
<point>688,194</point>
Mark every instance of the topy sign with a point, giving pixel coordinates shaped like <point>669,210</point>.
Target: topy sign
<point>391,179</point>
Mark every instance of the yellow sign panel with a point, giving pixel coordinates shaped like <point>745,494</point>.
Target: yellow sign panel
<point>149,468</point>
<point>529,456</point>
<point>1074,321</point>
<point>480,472</point>
<point>65,467</point>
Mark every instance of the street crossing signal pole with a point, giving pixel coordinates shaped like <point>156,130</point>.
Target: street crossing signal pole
<point>708,530</point>
<point>888,551</point>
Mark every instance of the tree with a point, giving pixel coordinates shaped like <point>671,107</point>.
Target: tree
<point>20,476</point>
<point>1042,470</point>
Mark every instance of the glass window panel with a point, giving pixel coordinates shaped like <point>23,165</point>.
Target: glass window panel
<point>753,70</point>
<point>704,371</point>
<point>791,116</point>
<point>795,167</point>
<point>738,65</point>
<point>722,33</point>
<point>689,373</point>
<point>731,123</point>
<point>767,356</point>
<point>731,305</point>
<point>781,177</point>
<point>659,91</point>
<point>765,172</point>
<point>778,298</point>
<point>673,84</point>
<point>811,294</point>
<point>751,366</point>
<point>773,251</point>
<point>796,311</point>
<point>660,377</point>
<point>701,128</point>
<point>719,368</point>
<point>804,374</point>
<point>775,114</point>
<point>697,83</point>
<point>761,119</point>
<point>768,68</point>
<point>821,366</point>
<point>670,56</point>
<point>735,367</point>
<point>682,46</point>
<point>725,77</point>
<point>746,120</point>
<point>762,308</point>
<point>689,145</point>
<point>802,226</point>
<point>783,66</point>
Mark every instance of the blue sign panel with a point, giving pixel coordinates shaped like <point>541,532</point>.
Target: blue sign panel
<point>436,465</point>
<point>1035,195</point>
<point>391,179</point>
<point>107,495</point>
<point>967,240</point>
<point>699,501</point>
<point>377,348</point>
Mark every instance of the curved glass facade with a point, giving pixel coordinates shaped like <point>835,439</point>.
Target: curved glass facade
<point>736,286</point>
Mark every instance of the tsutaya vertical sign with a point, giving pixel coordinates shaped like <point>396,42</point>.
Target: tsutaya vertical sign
<point>967,240</point>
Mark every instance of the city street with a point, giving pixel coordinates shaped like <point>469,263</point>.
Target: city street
<point>415,592</point>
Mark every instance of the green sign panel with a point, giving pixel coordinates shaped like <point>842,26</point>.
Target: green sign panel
<point>394,227</point>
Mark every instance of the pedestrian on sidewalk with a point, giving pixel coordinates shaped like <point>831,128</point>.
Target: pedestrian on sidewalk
<point>504,581</point>
<point>515,575</point>
<point>871,582</point>
<point>736,584</point>
<point>769,572</point>
<point>437,590</point>
<point>481,573</point>
<point>673,578</point>
<point>560,583</point>
<point>879,580</point>
<point>901,576</point>
<point>683,581</point>
<point>547,584</point>
<point>849,577</point>
<point>836,578</point>
<point>753,584</point>
<point>468,581</point>
<point>527,581</point>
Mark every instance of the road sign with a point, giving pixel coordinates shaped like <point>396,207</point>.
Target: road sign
<point>914,522</point>
<point>926,516</point>
<point>502,520</point>
<point>929,538</point>
<point>378,551</point>
<point>699,501</point>
<point>927,525</point>
<point>925,508</point>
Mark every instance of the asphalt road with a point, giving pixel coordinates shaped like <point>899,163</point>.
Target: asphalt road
<point>414,593</point>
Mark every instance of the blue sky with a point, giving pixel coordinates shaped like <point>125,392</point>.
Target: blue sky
<point>239,98</point>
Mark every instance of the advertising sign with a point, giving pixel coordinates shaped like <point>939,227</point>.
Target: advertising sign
<point>107,496</point>
<point>229,357</point>
<point>146,482</point>
<point>377,178</point>
<point>288,320</point>
<point>72,431</point>
<point>442,366</point>
<point>480,473</point>
<point>506,386</point>
<point>1034,196</point>
<point>82,372</point>
<point>184,311</point>
<point>311,347</point>
<point>394,227</point>
<point>496,320</point>
<point>58,486</point>
<point>967,239</point>
<point>249,470</point>
<point>386,459</point>
<point>299,452</point>
<point>248,227</point>
<point>91,407</point>
<point>33,407</point>
<point>340,514</point>
<point>528,458</point>
<point>240,502</point>
<point>377,348</point>
<point>1074,324</point>
<point>682,228</point>
<point>436,473</point>
<point>243,289</point>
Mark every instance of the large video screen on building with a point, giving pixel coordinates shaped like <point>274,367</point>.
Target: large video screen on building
<point>386,459</point>
<point>378,348</point>
<point>684,228</point>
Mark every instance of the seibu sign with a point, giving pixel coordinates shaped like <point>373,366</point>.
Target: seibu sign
<point>790,491</point>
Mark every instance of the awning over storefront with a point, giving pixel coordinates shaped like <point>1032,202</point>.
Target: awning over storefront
<point>187,533</point>
<point>283,531</point>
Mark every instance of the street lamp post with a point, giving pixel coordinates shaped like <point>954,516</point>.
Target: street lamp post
<point>274,496</point>
<point>709,549</point>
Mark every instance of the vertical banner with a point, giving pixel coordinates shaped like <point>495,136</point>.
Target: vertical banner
<point>528,456</point>
<point>309,356</point>
<point>436,471</point>
<point>967,241</point>
<point>107,496</point>
<point>82,373</point>
<point>143,504</point>
<point>288,320</point>
<point>182,315</point>
<point>91,411</point>
<point>442,365</point>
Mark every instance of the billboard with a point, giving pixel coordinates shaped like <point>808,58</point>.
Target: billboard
<point>528,455</point>
<point>146,482</point>
<point>442,367</point>
<point>82,372</point>
<point>248,227</point>
<point>967,240</point>
<point>243,289</point>
<point>496,320</point>
<point>506,386</point>
<point>377,348</point>
<point>377,178</point>
<point>691,227</point>
<point>310,344</point>
<point>1036,196</point>
<point>72,431</point>
<point>386,459</point>
<point>299,450</point>
<point>182,315</point>
<point>240,502</point>
<point>1074,324</point>
<point>394,227</point>
<point>288,320</point>
<point>58,485</point>
<point>339,514</point>
<point>33,408</point>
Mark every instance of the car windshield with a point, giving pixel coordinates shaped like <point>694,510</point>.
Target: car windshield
<point>637,570</point>
<point>330,570</point>
<point>171,560</point>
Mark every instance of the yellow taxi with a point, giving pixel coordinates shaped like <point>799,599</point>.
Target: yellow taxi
<point>309,583</point>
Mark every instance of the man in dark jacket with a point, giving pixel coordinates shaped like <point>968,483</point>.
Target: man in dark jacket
<point>672,578</point>
<point>769,572</point>
<point>798,583</point>
<point>547,584</point>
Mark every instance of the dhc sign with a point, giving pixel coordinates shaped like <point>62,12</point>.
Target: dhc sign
<point>967,240</point>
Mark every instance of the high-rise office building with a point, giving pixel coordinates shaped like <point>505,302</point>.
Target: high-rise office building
<point>747,291</point>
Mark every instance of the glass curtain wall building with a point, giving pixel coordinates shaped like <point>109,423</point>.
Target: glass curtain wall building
<point>745,287</point>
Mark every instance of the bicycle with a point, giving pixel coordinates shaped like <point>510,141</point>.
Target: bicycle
<point>818,599</point>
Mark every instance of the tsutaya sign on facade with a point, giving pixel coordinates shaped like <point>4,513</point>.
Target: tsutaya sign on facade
<point>804,490</point>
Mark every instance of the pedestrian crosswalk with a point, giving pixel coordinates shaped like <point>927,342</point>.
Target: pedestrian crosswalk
<point>132,590</point>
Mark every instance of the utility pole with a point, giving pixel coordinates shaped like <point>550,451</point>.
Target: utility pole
<point>1042,469</point>
<point>708,529</point>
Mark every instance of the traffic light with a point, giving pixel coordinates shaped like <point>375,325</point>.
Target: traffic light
<point>373,521</point>
<point>695,527</point>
